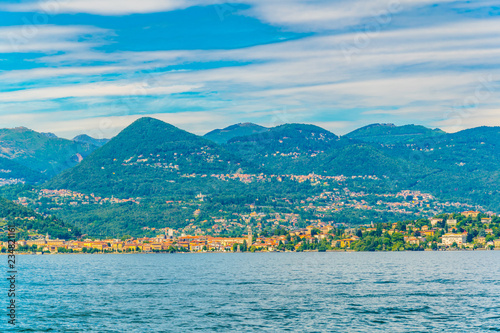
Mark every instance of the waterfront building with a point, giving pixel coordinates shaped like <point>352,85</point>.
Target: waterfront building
<point>459,239</point>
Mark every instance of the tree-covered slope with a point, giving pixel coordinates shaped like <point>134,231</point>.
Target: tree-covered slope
<point>167,168</point>
<point>149,157</point>
<point>463,166</point>
<point>26,220</point>
<point>468,162</point>
<point>303,149</point>
<point>284,148</point>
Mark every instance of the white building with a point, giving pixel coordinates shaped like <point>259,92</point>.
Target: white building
<point>435,221</point>
<point>449,239</point>
<point>451,223</point>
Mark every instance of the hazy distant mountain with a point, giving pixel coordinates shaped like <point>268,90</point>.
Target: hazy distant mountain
<point>12,172</point>
<point>392,134</point>
<point>49,135</point>
<point>222,136</point>
<point>45,154</point>
<point>84,138</point>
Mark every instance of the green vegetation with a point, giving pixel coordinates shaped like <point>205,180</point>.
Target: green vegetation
<point>147,159</point>
<point>162,169</point>
<point>26,220</point>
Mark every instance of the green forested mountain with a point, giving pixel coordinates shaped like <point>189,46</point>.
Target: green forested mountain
<point>42,153</point>
<point>286,148</point>
<point>149,157</point>
<point>392,134</point>
<point>26,220</point>
<point>466,164</point>
<point>463,166</point>
<point>302,149</point>
<point>175,177</point>
<point>221,136</point>
<point>293,137</point>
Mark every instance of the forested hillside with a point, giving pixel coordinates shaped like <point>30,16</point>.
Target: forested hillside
<point>28,222</point>
<point>153,175</point>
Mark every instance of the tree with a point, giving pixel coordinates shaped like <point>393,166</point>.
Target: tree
<point>359,233</point>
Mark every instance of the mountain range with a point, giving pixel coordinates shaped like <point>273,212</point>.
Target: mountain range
<point>155,164</point>
<point>146,158</point>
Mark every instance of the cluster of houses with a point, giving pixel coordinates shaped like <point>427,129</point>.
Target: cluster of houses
<point>145,244</point>
<point>61,197</point>
<point>411,233</point>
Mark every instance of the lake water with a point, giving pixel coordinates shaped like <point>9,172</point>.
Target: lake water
<point>270,292</point>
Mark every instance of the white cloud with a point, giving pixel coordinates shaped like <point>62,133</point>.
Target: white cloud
<point>93,89</point>
<point>25,75</point>
<point>457,120</point>
<point>320,15</point>
<point>107,7</point>
<point>417,72</point>
<point>48,38</point>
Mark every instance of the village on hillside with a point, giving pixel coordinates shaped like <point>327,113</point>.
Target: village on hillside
<point>468,230</point>
<point>335,194</point>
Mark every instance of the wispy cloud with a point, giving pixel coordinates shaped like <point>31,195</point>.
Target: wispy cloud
<point>94,89</point>
<point>302,15</point>
<point>49,38</point>
<point>108,7</point>
<point>25,75</point>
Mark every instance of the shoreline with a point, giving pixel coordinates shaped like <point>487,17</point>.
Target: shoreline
<point>225,252</point>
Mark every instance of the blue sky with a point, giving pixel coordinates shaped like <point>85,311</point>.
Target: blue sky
<point>93,66</point>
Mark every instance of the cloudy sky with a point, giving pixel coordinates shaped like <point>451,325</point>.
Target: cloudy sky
<point>93,66</point>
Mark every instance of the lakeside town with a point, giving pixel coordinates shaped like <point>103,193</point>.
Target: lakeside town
<point>468,230</point>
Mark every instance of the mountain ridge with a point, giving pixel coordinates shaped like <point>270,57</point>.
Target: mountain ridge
<point>147,146</point>
<point>389,133</point>
<point>222,136</point>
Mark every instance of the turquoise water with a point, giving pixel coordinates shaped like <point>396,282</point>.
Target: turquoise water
<point>270,292</point>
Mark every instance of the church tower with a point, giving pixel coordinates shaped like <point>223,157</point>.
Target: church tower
<point>249,237</point>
